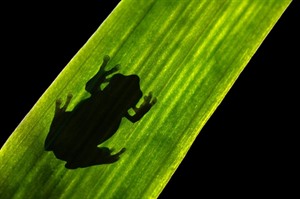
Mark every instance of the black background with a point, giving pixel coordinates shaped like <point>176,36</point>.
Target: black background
<point>248,147</point>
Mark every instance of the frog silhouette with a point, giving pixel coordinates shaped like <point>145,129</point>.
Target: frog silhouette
<point>74,135</point>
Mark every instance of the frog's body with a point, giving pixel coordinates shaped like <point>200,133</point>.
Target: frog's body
<point>74,136</point>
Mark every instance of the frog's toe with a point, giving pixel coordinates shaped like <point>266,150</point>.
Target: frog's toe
<point>115,157</point>
<point>106,58</point>
<point>121,151</point>
<point>154,100</point>
<point>58,103</point>
<point>115,68</point>
<point>117,154</point>
<point>149,100</point>
<point>69,96</point>
<point>58,108</point>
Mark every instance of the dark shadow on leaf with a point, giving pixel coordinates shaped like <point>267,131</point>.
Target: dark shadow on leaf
<point>74,135</point>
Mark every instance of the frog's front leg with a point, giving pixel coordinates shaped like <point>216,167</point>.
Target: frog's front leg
<point>59,118</point>
<point>93,85</point>
<point>58,108</point>
<point>143,109</point>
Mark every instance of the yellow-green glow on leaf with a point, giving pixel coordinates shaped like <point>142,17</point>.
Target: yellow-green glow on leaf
<point>188,53</point>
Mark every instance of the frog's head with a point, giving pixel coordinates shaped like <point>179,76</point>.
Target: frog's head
<point>126,88</point>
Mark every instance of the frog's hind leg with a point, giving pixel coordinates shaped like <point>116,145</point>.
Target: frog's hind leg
<point>93,156</point>
<point>103,155</point>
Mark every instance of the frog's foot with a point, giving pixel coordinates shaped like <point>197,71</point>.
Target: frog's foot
<point>111,71</point>
<point>99,156</point>
<point>115,157</point>
<point>58,108</point>
<point>107,157</point>
<point>120,152</point>
<point>149,101</point>
<point>106,59</point>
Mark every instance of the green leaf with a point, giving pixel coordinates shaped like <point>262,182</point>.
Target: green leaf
<point>187,53</point>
